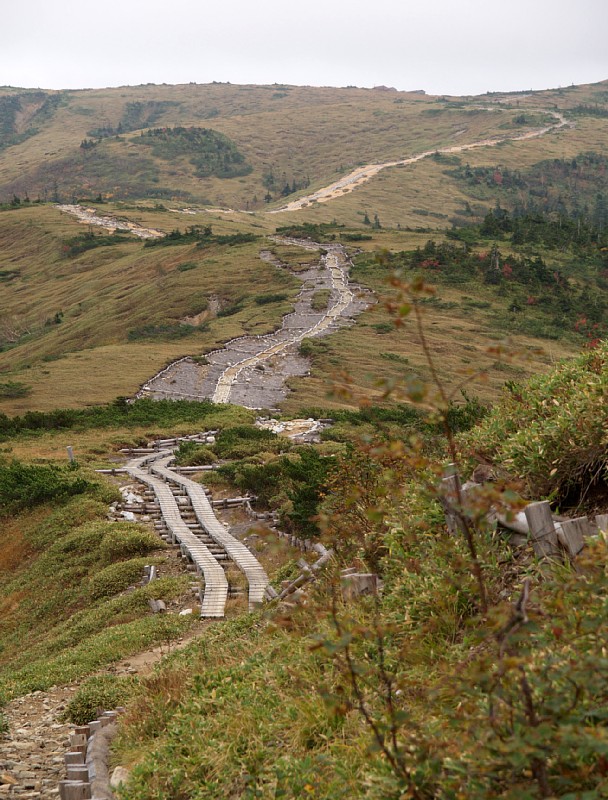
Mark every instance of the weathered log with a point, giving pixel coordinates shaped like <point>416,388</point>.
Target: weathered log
<point>271,593</point>
<point>97,761</point>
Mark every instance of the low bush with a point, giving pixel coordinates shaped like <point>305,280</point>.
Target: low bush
<point>265,299</point>
<point>27,485</point>
<point>127,540</point>
<point>116,578</point>
<point>551,431</point>
<point>96,695</point>
<point>243,441</point>
<point>11,389</point>
<point>191,454</point>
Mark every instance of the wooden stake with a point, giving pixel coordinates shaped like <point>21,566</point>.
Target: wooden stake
<point>573,533</point>
<point>601,520</point>
<point>542,529</point>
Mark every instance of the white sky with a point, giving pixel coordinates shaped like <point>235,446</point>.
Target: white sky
<point>442,46</point>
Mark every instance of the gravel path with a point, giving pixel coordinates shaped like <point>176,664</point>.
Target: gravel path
<point>251,370</point>
<point>31,755</point>
<point>90,216</point>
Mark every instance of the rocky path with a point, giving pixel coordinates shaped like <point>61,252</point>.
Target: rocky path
<point>252,370</point>
<point>32,755</point>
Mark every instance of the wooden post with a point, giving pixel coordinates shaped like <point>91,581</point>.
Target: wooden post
<point>74,757</point>
<point>571,534</point>
<point>542,529</point>
<point>78,773</point>
<point>78,739</point>
<point>601,520</point>
<point>74,790</point>
<point>70,454</point>
<point>448,498</point>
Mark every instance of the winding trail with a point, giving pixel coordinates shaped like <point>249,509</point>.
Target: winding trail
<point>342,291</point>
<point>345,185</point>
<point>363,174</point>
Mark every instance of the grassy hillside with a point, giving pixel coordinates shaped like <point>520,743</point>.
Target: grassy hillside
<point>86,317</point>
<point>434,690</point>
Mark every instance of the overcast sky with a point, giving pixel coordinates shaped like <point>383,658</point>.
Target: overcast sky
<point>442,46</point>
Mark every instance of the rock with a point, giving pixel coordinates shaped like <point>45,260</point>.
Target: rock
<point>120,775</point>
<point>185,612</point>
<point>7,779</point>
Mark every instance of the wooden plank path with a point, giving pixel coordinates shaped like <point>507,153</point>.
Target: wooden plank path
<point>216,583</point>
<point>242,557</point>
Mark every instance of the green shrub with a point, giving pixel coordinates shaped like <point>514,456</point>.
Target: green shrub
<point>243,441</point>
<point>116,578</point>
<point>121,414</point>
<point>383,327</point>
<point>551,431</point>
<point>264,299</point>
<point>312,348</point>
<point>11,389</point>
<point>27,485</point>
<point>295,481</point>
<point>96,695</point>
<point>190,454</point>
<point>127,540</point>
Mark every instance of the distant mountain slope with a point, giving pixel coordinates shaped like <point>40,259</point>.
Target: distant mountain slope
<point>290,140</point>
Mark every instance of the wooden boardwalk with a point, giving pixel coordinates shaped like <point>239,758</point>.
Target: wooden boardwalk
<point>216,583</point>
<point>242,557</point>
<point>206,543</point>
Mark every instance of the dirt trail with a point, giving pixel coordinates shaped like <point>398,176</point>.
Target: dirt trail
<point>363,174</point>
<point>251,370</point>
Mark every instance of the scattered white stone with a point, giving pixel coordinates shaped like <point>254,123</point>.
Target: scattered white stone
<point>119,775</point>
<point>186,612</point>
